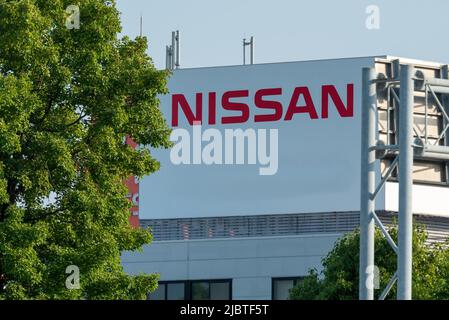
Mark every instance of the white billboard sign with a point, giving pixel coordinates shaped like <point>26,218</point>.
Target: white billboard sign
<point>259,139</point>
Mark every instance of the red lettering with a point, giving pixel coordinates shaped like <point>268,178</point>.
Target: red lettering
<point>307,108</point>
<point>180,100</point>
<point>235,106</point>
<point>268,104</point>
<point>329,94</point>
<point>212,107</point>
<point>329,90</point>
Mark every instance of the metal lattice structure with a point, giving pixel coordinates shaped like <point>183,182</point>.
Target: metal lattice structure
<point>409,144</point>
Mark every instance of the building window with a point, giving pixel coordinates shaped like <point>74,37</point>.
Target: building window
<point>193,290</point>
<point>159,293</point>
<point>281,287</point>
<point>173,290</point>
<point>220,290</point>
<point>211,290</point>
<point>200,290</point>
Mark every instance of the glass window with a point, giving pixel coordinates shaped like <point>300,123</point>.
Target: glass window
<point>192,290</point>
<point>175,291</point>
<point>281,287</point>
<point>200,291</point>
<point>219,291</point>
<point>158,294</point>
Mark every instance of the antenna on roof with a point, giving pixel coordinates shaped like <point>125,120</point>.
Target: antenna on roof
<point>141,23</point>
<point>172,52</point>
<point>177,49</point>
<point>249,43</point>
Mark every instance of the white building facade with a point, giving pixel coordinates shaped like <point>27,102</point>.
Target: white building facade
<point>264,175</point>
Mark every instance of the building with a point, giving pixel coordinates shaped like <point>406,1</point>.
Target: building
<point>265,173</point>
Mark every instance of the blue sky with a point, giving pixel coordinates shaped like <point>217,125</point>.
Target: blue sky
<point>285,30</point>
<point>288,30</point>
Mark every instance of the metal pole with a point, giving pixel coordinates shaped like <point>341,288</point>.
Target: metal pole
<point>177,49</point>
<point>244,45</point>
<point>368,184</point>
<point>173,48</point>
<point>172,54</point>
<point>445,75</point>
<point>167,57</point>
<point>141,23</point>
<point>252,50</point>
<point>405,184</point>
<point>171,58</point>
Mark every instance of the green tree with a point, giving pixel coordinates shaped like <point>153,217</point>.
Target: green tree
<point>339,279</point>
<point>68,99</point>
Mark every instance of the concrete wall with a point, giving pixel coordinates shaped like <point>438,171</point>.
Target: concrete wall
<point>427,199</point>
<point>251,263</point>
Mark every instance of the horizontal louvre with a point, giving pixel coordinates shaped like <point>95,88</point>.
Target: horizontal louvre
<point>251,226</point>
<point>277,225</point>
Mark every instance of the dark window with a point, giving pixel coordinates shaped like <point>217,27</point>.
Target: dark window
<point>200,291</point>
<point>174,290</point>
<point>159,293</point>
<point>220,291</point>
<point>193,290</point>
<point>281,287</point>
<point>211,290</point>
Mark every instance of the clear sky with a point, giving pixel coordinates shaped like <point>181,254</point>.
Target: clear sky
<point>211,31</point>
